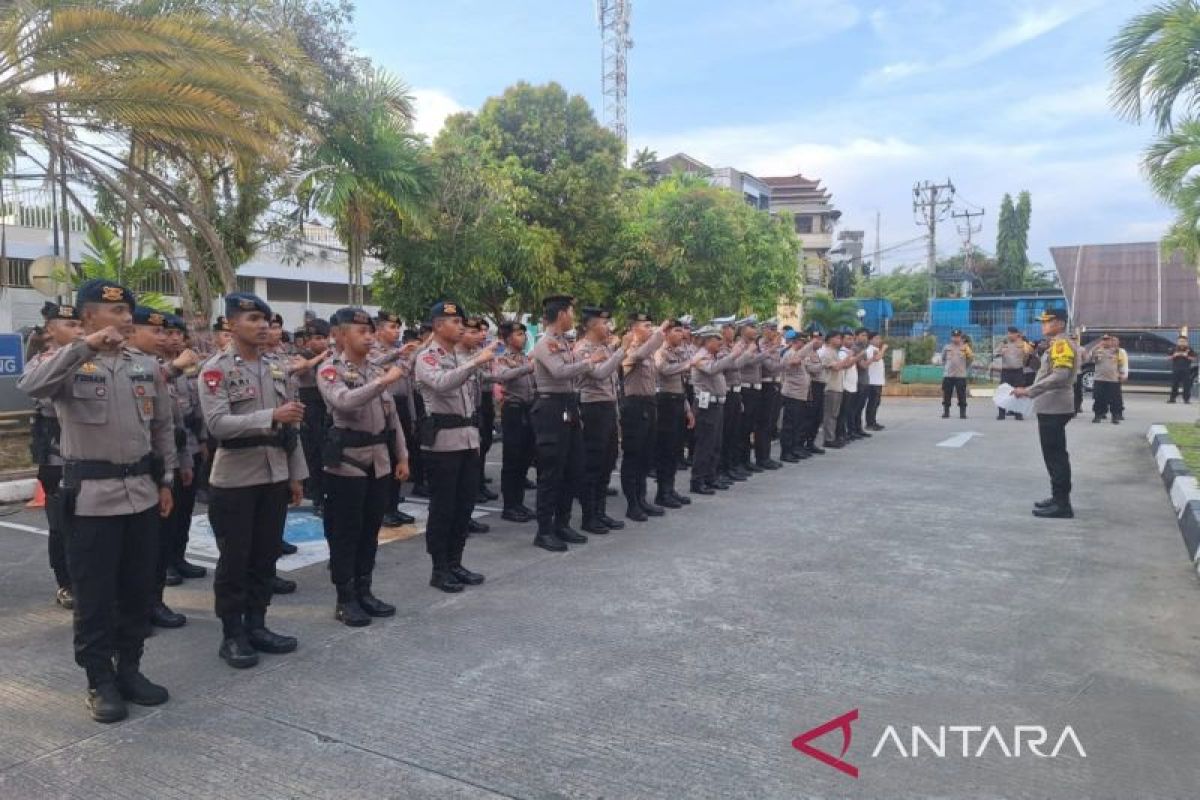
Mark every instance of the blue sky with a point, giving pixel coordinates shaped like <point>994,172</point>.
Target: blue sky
<point>867,95</point>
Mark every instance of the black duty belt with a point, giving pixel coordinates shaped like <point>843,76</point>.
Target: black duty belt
<point>446,421</point>
<point>639,398</point>
<point>246,442</point>
<point>363,439</point>
<point>569,396</point>
<point>310,394</point>
<point>85,470</point>
<point>672,395</point>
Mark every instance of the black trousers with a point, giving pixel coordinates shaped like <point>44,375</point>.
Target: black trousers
<point>874,395</point>
<point>956,386</point>
<point>751,411</point>
<point>845,412</point>
<point>487,428</point>
<point>600,450</point>
<point>768,414</point>
<point>112,577</point>
<point>517,456</point>
<point>312,438</point>
<point>1181,382</point>
<point>453,485</point>
<point>813,414</point>
<point>1079,393</point>
<point>672,422</point>
<point>730,429</point>
<point>247,522</point>
<point>1052,433</point>
<point>688,442</point>
<point>639,424</point>
<point>1106,396</point>
<point>412,445</point>
<point>420,467</point>
<point>50,476</point>
<point>559,457</point>
<point>1013,376</point>
<point>181,514</point>
<point>860,405</point>
<point>709,424</point>
<point>775,407</point>
<point>354,511</point>
<point>792,431</point>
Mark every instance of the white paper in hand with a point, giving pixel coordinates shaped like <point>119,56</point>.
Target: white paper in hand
<point>1017,405</point>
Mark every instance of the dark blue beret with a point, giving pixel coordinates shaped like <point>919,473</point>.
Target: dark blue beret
<point>243,302</point>
<point>145,315</point>
<point>102,290</point>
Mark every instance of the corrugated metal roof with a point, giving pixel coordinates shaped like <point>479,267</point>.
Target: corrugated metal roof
<point>1127,285</point>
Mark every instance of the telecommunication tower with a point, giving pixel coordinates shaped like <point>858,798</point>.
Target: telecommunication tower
<point>613,16</point>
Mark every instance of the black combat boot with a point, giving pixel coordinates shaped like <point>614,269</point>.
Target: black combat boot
<point>282,585</point>
<point>161,616</point>
<point>602,510</point>
<point>945,412</point>
<point>348,611</point>
<point>546,541</point>
<point>1059,509</point>
<point>442,579</point>
<point>1001,415</point>
<point>369,602</point>
<point>187,569</point>
<point>699,487</point>
<point>263,639</point>
<point>105,703</point>
<point>235,647</point>
<point>466,576</point>
<point>665,499</point>
<point>568,534</point>
<point>650,508</point>
<point>288,549</point>
<point>135,687</point>
<point>962,412</point>
<point>682,499</point>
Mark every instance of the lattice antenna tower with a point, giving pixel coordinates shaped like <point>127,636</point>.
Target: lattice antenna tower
<point>613,16</point>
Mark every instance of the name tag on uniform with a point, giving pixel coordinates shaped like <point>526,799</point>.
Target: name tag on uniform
<point>702,399</point>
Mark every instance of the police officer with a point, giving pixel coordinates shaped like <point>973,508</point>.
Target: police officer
<point>769,400</point>
<point>487,416</point>
<point>1106,391</point>
<point>673,363</point>
<point>365,449</point>
<point>514,373</point>
<point>1183,359</point>
<point>183,372</point>
<point>750,379</point>
<point>709,366</point>
<point>303,372</point>
<point>796,390</point>
<point>1012,353</point>
<point>729,466</point>
<point>556,424</point>
<point>813,414</point>
<point>956,360</point>
<point>62,328</point>
<point>118,450</point>
<point>639,414</point>
<point>450,437</point>
<point>387,351</point>
<point>598,392</point>
<point>1054,403</point>
<point>257,469</point>
<point>470,344</point>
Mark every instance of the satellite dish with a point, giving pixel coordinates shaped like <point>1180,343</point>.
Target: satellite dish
<point>46,273</point>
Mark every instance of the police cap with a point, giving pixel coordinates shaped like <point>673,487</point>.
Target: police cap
<point>145,315</point>
<point>446,308</point>
<point>55,311</point>
<point>387,316</point>
<point>244,303</point>
<point>316,327</point>
<point>1051,314</point>
<point>222,324</point>
<point>352,315</point>
<point>102,290</point>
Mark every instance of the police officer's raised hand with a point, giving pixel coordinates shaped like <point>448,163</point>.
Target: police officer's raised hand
<point>393,374</point>
<point>289,413</point>
<point>598,356</point>
<point>188,358</point>
<point>166,501</point>
<point>487,354</point>
<point>401,471</point>
<point>104,338</point>
<point>296,490</point>
<point>410,347</point>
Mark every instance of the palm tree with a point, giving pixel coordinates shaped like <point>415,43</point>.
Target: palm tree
<point>176,84</point>
<point>105,258</point>
<point>367,165</point>
<point>1155,63</point>
<point>823,310</point>
<point>1170,162</point>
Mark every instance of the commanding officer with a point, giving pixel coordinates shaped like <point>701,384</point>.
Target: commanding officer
<point>556,424</point>
<point>672,362</point>
<point>312,431</point>
<point>256,470</point>
<point>365,449</point>
<point>514,373</point>
<point>1054,404</point>
<point>750,378</point>
<point>598,414</point>
<point>1012,352</point>
<point>639,415</point>
<point>387,351</point>
<point>797,393</point>
<point>450,437</point>
<point>709,366</point>
<point>118,450</point>
<point>768,417</point>
<point>1106,391</point>
<point>956,360</point>
<point>62,328</point>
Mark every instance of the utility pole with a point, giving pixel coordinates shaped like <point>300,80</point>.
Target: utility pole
<point>876,264</point>
<point>931,203</point>
<point>967,229</point>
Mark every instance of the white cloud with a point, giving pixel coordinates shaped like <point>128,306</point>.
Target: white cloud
<point>432,107</point>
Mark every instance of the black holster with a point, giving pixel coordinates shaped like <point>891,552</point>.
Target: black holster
<point>432,423</point>
<point>44,433</point>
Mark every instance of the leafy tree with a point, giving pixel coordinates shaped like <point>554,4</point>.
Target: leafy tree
<point>103,258</point>
<point>906,287</point>
<point>1154,62</point>
<point>842,280</point>
<point>830,314</point>
<point>1012,241</point>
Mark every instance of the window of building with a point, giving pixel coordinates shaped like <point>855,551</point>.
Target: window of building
<point>280,290</point>
<point>804,224</point>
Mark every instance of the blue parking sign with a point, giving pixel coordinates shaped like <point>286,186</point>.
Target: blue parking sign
<point>12,360</point>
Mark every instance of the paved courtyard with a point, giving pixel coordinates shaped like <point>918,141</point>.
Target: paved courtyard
<point>679,659</point>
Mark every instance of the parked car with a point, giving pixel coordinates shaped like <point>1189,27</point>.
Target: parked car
<point>1149,352</point>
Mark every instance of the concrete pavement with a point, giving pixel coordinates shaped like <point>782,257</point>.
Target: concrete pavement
<point>680,658</point>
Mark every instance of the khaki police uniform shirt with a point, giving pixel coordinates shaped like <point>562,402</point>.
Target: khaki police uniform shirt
<point>443,378</point>
<point>638,367</point>
<point>708,377</point>
<point>599,385</point>
<point>831,377</point>
<point>750,373</point>
<point>112,406</point>
<point>44,407</point>
<point>556,366</point>
<point>797,381</point>
<point>672,366</point>
<point>733,371</point>
<point>956,358</point>
<point>514,371</point>
<point>185,389</point>
<point>1053,389</point>
<point>1108,363</point>
<point>238,398</point>
<point>1012,354</point>
<point>356,402</point>
<point>772,365</point>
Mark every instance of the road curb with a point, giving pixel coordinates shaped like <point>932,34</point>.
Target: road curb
<point>17,491</point>
<point>1183,490</point>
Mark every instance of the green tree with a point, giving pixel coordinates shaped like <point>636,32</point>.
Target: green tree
<point>907,288</point>
<point>1154,63</point>
<point>842,280</point>
<point>368,164</point>
<point>830,314</point>
<point>1171,164</point>
<point>103,257</point>
<point>1012,241</point>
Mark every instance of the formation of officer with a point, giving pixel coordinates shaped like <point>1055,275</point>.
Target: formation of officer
<point>956,362</point>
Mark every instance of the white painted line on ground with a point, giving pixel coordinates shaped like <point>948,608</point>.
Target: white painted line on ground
<point>959,439</point>
<point>28,528</point>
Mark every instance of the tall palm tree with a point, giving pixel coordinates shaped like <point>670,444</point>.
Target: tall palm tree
<point>1155,64</point>
<point>1171,163</point>
<point>368,165</point>
<point>178,84</point>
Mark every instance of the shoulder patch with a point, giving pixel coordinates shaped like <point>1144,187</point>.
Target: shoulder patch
<point>1061,354</point>
<point>430,358</point>
<point>212,379</point>
<point>329,373</point>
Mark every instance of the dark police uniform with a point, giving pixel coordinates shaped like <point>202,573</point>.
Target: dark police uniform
<point>118,448</point>
<point>514,373</point>
<point>1054,404</point>
<point>316,422</point>
<point>1183,358</point>
<point>362,445</point>
<point>255,461</point>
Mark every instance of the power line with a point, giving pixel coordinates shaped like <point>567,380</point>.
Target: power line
<point>967,229</point>
<point>931,203</point>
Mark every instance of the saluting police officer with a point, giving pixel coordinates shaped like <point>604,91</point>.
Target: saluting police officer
<point>62,328</point>
<point>258,468</point>
<point>709,366</point>
<point>388,349</point>
<point>1012,352</point>
<point>450,438</point>
<point>556,424</point>
<point>730,460</point>
<point>797,396</point>
<point>118,450</point>
<point>183,373</point>
<point>514,373</point>
<point>639,414</point>
<point>769,401</point>
<point>303,370</point>
<point>598,392</point>
<point>1054,404</point>
<point>362,445</point>
<point>672,364</point>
